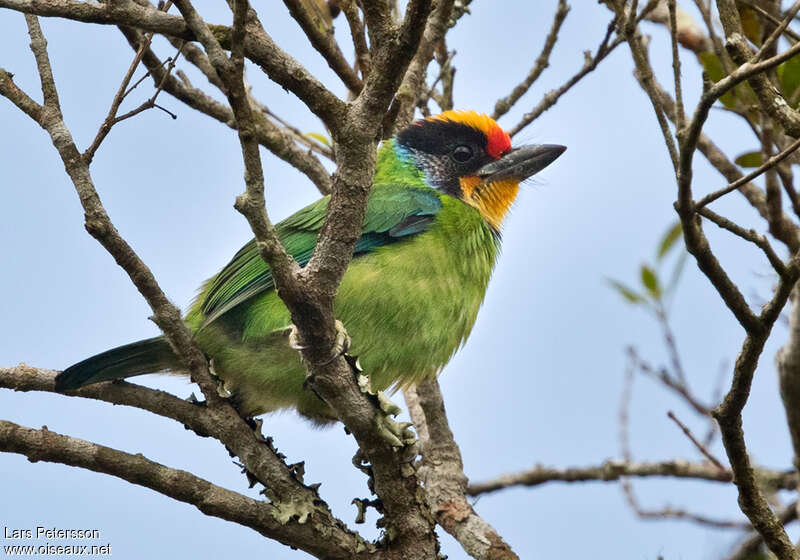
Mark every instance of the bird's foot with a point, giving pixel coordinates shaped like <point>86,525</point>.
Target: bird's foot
<point>222,388</point>
<point>341,343</point>
<point>397,434</point>
<point>294,339</point>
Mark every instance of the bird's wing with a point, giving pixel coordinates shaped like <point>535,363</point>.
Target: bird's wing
<point>393,213</point>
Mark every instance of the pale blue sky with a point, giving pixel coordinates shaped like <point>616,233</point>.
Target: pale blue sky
<point>539,380</point>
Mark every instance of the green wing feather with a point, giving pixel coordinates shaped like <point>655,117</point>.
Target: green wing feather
<point>394,212</point>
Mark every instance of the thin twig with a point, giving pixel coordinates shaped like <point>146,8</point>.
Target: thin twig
<point>676,66</point>
<point>668,512</point>
<point>269,135</point>
<point>771,162</point>
<point>646,78</point>
<point>706,453</point>
<point>445,71</point>
<point>767,45</point>
<point>590,63</point>
<point>719,50</point>
<point>295,132</point>
<point>612,470</point>
<point>540,65</point>
<point>363,57</point>
<point>123,91</point>
<point>717,158</point>
<point>676,385</point>
<point>748,235</point>
<point>772,19</point>
<point>787,181</point>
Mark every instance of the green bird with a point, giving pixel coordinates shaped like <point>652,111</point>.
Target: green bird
<point>409,299</point>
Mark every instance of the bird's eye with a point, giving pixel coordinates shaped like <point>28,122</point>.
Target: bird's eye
<point>462,154</point>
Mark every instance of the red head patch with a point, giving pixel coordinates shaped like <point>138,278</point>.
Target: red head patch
<point>498,141</point>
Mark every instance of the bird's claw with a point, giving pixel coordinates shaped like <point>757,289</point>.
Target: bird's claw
<point>397,434</point>
<point>386,404</point>
<point>341,343</point>
<point>294,339</point>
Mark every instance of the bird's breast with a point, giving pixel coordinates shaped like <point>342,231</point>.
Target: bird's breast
<point>410,305</point>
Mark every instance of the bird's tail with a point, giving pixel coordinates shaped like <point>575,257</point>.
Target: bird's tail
<point>151,355</point>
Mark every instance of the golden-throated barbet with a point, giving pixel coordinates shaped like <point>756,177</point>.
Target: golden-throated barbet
<point>410,297</point>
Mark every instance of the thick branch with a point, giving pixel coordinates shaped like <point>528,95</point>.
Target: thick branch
<point>238,436</point>
<point>264,462</point>
<point>259,47</point>
<point>308,293</point>
<point>729,416</point>
<point>268,519</point>
<point>269,135</point>
<point>413,83</point>
<point>788,364</point>
<point>729,170</point>
<point>770,99</point>
<point>751,546</point>
<point>408,48</point>
<point>445,482</point>
<point>320,35</point>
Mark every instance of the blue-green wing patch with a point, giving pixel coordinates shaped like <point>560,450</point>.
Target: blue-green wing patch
<point>393,213</point>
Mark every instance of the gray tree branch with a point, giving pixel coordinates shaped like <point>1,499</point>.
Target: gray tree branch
<point>445,482</point>
<point>758,328</point>
<point>284,524</point>
<point>259,46</point>
<point>541,63</point>
<point>612,470</point>
<point>320,35</point>
<point>240,439</point>
<point>269,135</point>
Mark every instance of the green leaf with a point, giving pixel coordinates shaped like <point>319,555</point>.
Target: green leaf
<point>789,76</point>
<point>751,23</point>
<point>625,291</point>
<point>669,239</point>
<point>715,72</point>
<point>321,138</point>
<point>650,281</point>
<point>676,273</point>
<point>749,159</point>
<point>742,96</point>
<point>711,64</point>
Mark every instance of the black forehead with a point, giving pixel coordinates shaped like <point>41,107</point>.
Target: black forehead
<point>439,137</point>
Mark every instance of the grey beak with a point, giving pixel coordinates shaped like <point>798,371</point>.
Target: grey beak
<point>521,163</point>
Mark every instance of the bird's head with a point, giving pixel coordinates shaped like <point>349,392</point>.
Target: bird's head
<point>468,156</point>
